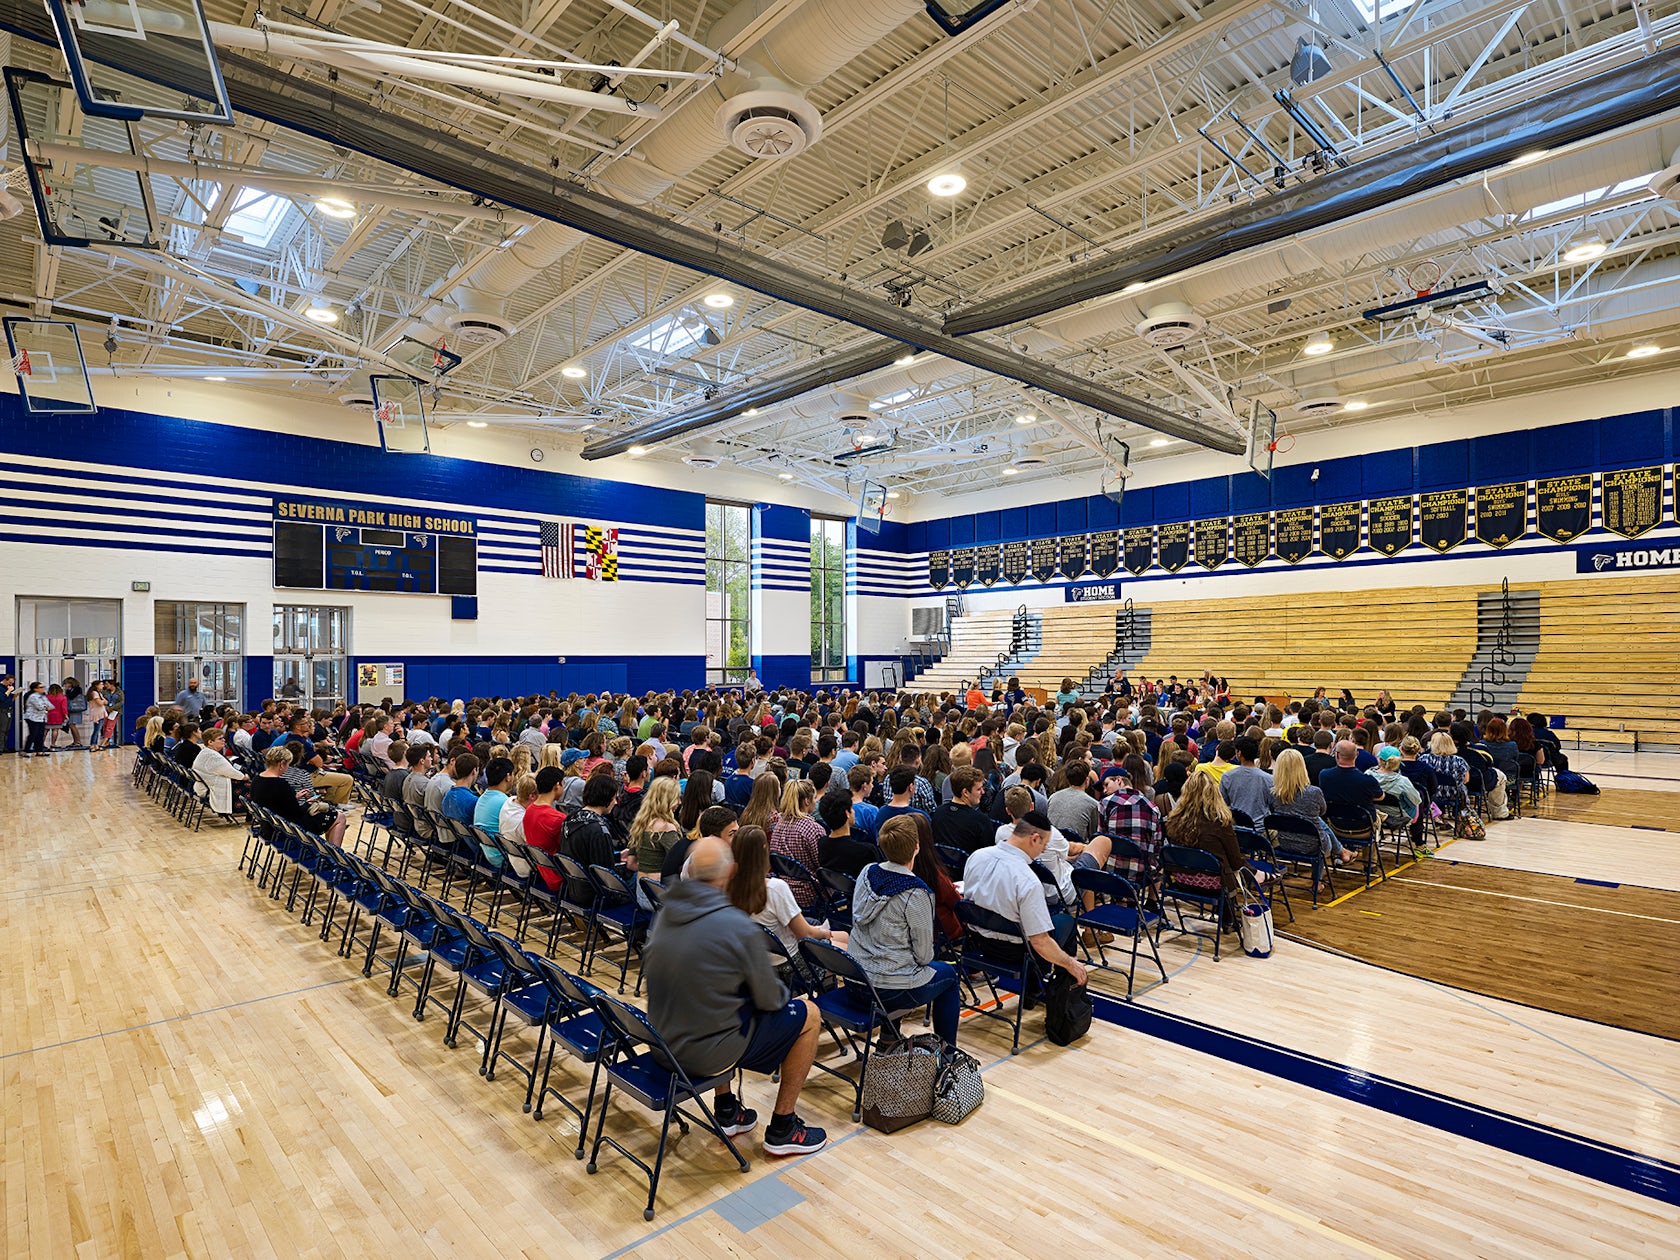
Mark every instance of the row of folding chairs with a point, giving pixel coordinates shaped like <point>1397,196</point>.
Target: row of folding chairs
<point>181,791</point>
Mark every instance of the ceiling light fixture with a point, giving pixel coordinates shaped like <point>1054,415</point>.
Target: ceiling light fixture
<point>1357,404</point>
<point>1644,352</point>
<point>1010,472</point>
<point>1309,63</point>
<point>1026,417</point>
<point>784,476</point>
<point>1317,344</point>
<point>905,360</point>
<point>1533,155</point>
<point>321,311</point>
<point>1160,442</point>
<point>574,371</point>
<point>1584,250</point>
<point>947,184</point>
<point>894,494</point>
<point>477,424</point>
<point>638,451</point>
<point>750,411</point>
<point>223,378</point>
<point>336,207</point>
<point>1136,286</point>
<point>719,301</point>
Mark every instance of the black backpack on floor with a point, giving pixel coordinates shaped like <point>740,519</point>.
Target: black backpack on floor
<point>1067,1009</point>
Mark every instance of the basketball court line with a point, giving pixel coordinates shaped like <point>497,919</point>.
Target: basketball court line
<point>1540,901</point>
<point>1579,850</point>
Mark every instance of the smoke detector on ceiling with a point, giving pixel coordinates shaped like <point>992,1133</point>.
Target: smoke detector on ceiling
<point>1318,400</point>
<point>1170,324</point>
<point>702,461</point>
<point>769,123</point>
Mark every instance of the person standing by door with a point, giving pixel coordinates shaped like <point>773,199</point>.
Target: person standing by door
<point>8,702</point>
<point>113,709</point>
<point>36,711</point>
<point>75,706</point>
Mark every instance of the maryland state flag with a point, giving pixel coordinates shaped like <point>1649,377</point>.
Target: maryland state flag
<point>601,549</point>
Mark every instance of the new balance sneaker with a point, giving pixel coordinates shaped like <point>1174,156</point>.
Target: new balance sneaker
<point>793,1137</point>
<point>735,1119</point>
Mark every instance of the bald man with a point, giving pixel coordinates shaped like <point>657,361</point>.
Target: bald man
<point>716,999</point>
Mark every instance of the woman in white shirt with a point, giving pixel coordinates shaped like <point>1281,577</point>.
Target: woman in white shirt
<point>769,900</point>
<point>510,823</point>
<point>218,772</point>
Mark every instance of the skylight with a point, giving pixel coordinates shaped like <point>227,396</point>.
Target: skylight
<point>1390,8</point>
<point>671,335</point>
<point>1582,200</point>
<point>256,218</point>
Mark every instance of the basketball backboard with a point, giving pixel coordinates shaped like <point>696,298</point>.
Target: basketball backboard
<point>51,371</point>
<point>168,64</point>
<point>399,409</point>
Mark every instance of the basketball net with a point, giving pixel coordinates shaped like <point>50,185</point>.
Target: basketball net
<point>385,413</point>
<point>20,363</point>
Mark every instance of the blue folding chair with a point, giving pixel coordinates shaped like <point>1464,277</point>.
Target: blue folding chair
<point>994,958</point>
<point>526,996</point>
<point>1119,910</point>
<point>1261,857</point>
<point>618,917</point>
<point>853,1005</point>
<point>655,1080</point>
<point>576,1028</point>
<point>1296,843</point>
<point>815,906</point>
<point>1194,877</point>
<point>1359,832</point>
<point>953,858</point>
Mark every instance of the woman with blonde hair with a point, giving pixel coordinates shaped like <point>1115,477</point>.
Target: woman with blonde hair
<point>522,761</point>
<point>550,756</point>
<point>1202,820</point>
<point>798,835</point>
<point>1293,794</point>
<point>654,830</point>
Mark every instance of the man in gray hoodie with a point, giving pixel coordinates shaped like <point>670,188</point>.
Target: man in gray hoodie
<point>717,1001</point>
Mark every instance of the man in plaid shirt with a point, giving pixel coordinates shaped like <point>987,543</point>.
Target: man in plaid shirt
<point>1130,814</point>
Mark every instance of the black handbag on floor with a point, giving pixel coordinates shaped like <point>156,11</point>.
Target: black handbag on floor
<point>1067,1009</point>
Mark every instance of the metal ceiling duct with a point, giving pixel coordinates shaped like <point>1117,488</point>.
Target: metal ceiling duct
<point>1642,89</point>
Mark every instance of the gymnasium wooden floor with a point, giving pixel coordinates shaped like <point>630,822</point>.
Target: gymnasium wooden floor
<point>187,1071</point>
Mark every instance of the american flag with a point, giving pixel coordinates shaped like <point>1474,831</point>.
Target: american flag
<point>557,551</point>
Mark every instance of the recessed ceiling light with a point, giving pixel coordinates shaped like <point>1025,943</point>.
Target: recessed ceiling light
<point>321,311</point>
<point>1010,472</point>
<point>1357,404</point>
<point>1026,417</point>
<point>1319,343</point>
<point>336,207</point>
<point>905,360</point>
<point>893,494</point>
<point>574,371</point>
<point>750,411</point>
<point>215,378</point>
<point>1644,352</point>
<point>1533,155</point>
<point>476,424</point>
<point>638,450</point>
<point>1160,442</point>
<point>1584,250</point>
<point>785,476</point>
<point>719,301</point>
<point>586,428</point>
<point>947,184</point>
<point>1135,286</point>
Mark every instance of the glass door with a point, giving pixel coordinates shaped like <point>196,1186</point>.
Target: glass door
<point>311,655</point>
<point>202,641</point>
<point>65,638</point>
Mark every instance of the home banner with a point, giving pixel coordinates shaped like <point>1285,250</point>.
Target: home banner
<point>1294,534</point>
<point>1502,513</point>
<point>1173,543</point>
<point>1390,528</point>
<point>1441,518</point>
<point>1251,538</point>
<point>1213,541</point>
<point>1563,507</point>
<point>1631,500</point>
<point>1015,562</point>
<point>1140,549</point>
<point>1338,529</point>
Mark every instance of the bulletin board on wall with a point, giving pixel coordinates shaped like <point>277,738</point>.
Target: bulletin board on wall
<point>377,682</point>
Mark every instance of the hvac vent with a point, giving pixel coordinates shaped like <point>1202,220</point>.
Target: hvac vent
<point>1170,324</point>
<point>1030,461</point>
<point>478,328</point>
<point>769,123</point>
<point>1664,182</point>
<point>357,392</point>
<point>701,461</point>
<point>1318,401</point>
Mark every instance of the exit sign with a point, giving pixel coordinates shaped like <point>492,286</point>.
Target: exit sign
<point>139,586</point>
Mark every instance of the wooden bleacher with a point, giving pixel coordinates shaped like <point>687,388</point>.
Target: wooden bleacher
<point>1609,659</point>
<point>976,640</point>
<point>1414,641</point>
<point>1076,639</point>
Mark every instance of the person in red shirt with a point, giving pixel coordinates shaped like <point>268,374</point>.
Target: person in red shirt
<point>543,823</point>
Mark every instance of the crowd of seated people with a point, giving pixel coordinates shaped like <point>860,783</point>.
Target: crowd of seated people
<point>919,801</point>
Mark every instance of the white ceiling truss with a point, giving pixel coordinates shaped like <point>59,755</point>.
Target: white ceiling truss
<point>1085,129</point>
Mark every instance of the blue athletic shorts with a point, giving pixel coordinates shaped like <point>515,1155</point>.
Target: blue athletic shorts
<point>771,1036</point>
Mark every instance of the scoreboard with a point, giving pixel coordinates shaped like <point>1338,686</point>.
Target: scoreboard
<point>337,547</point>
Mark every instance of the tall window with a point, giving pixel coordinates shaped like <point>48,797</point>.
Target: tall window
<point>728,592</point>
<point>202,641</point>
<point>828,601</point>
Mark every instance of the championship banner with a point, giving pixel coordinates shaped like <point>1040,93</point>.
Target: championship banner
<point>1213,541</point>
<point>1105,552</point>
<point>1563,507</point>
<point>1338,529</point>
<point>1294,534</point>
<point>1173,543</point>
<point>1390,530</point>
<point>1251,538</point>
<point>1140,549</point>
<point>1441,519</point>
<point>962,568</point>
<point>1631,500</point>
<point>1502,513</point>
<point>939,569</point>
<point>1045,552</point>
<point>601,549</point>
<point>1074,549</point>
<point>1015,562</point>
<point>986,564</point>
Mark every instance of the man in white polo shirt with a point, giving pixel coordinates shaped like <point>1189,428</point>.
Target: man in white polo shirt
<point>1000,878</point>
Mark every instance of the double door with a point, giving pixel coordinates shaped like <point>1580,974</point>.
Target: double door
<point>61,639</point>
<point>311,655</point>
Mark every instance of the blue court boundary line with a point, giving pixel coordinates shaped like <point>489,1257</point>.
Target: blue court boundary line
<point>1599,1161</point>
